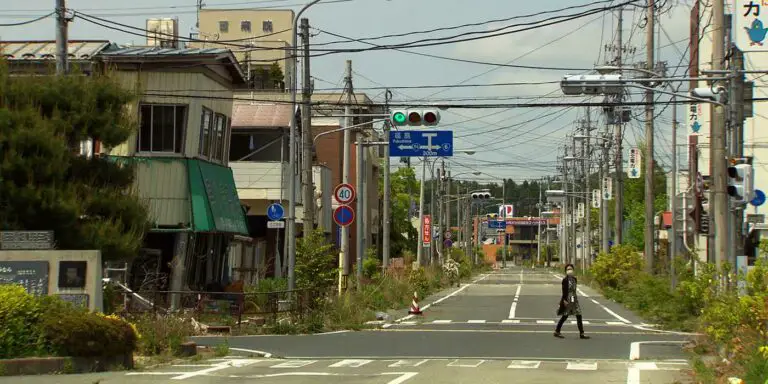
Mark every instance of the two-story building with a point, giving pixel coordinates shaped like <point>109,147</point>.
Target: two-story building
<point>180,150</point>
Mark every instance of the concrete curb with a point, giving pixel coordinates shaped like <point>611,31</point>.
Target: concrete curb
<point>64,365</point>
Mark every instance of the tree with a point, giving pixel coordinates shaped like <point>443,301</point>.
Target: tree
<point>403,185</point>
<point>46,185</point>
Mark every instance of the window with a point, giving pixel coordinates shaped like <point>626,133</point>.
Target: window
<point>217,149</point>
<point>162,128</point>
<point>245,26</point>
<point>206,125</point>
<point>224,26</point>
<point>266,26</point>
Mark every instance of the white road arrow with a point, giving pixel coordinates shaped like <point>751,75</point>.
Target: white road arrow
<point>430,147</point>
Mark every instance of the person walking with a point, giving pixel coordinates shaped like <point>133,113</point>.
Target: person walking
<point>569,304</point>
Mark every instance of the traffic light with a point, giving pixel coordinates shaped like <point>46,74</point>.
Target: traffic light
<point>481,196</point>
<point>415,117</point>
<point>592,84</point>
<point>740,183</point>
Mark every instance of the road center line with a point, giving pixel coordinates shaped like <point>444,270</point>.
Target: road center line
<point>513,308</point>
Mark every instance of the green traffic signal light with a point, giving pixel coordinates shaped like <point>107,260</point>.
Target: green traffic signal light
<point>398,117</point>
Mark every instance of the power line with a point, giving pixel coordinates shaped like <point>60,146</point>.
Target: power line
<point>28,21</point>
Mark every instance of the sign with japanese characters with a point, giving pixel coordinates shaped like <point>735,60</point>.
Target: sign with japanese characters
<point>633,171</point>
<point>607,188</point>
<point>695,122</point>
<point>26,240</point>
<point>596,198</point>
<point>426,230</point>
<point>749,31</point>
<point>32,275</point>
<point>580,211</point>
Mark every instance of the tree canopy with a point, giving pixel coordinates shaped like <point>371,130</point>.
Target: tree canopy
<point>46,185</point>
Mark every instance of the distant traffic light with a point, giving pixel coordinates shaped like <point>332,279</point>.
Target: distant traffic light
<point>415,117</point>
<point>481,196</point>
<point>740,183</point>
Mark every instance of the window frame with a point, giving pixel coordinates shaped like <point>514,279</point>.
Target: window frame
<point>225,24</point>
<point>218,139</point>
<point>243,24</point>
<point>201,151</point>
<point>265,23</point>
<point>180,139</point>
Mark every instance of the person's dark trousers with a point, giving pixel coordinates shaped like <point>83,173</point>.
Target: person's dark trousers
<point>578,322</point>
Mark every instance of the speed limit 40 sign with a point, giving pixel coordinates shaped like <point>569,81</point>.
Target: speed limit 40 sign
<point>344,193</point>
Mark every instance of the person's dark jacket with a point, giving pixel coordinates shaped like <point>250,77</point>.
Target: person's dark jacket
<point>561,309</point>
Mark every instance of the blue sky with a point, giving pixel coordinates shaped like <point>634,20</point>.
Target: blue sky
<point>510,143</point>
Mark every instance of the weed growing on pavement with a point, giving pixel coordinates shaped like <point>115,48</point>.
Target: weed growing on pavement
<point>162,334</point>
<point>222,349</point>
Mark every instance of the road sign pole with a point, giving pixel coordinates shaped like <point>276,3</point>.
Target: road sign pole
<point>360,225</point>
<point>420,247</point>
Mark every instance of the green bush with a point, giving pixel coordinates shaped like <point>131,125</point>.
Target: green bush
<point>161,334</point>
<point>79,333</point>
<point>316,262</point>
<point>617,268</point>
<point>371,266</point>
<point>39,326</point>
<point>20,315</point>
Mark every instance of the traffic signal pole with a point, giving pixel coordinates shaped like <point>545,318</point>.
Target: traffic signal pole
<point>717,145</point>
<point>649,162</point>
<point>420,245</point>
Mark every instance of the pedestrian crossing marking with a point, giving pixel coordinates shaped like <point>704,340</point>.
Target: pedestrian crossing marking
<point>407,363</point>
<point>545,321</point>
<point>294,364</point>
<point>476,321</point>
<point>510,321</point>
<point>577,366</point>
<point>524,364</point>
<point>454,364</point>
<point>351,363</point>
<point>441,322</point>
<point>576,322</point>
<point>614,323</point>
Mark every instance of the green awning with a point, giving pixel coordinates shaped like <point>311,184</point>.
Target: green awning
<point>213,196</point>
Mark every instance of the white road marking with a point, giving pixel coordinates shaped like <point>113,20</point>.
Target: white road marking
<point>509,321</point>
<point>350,363</point>
<point>595,301</point>
<point>262,353</point>
<point>409,323</point>
<point>514,302</point>
<point>404,376</point>
<point>407,363</point>
<point>633,371</point>
<point>294,364</point>
<point>576,322</point>
<point>582,292</point>
<point>668,332</point>
<point>440,300</point>
<point>614,323</point>
<point>441,322</point>
<point>576,366</point>
<point>453,364</point>
<point>194,365</point>
<point>545,321</point>
<point>634,347</point>
<point>524,364</point>
<point>332,332</point>
<point>521,276</point>
<point>217,367</point>
<point>614,314</point>
<point>476,321</point>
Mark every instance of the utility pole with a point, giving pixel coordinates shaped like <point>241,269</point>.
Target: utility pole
<point>606,172</point>
<point>62,38</point>
<point>359,166</point>
<point>587,194</point>
<point>420,246</point>
<point>538,245</point>
<point>737,115</point>
<point>565,214</point>
<point>649,209</point>
<point>717,161</point>
<point>504,217</point>
<point>432,216</point>
<point>344,261</point>
<point>387,220</point>
<point>618,192</point>
<point>673,202</point>
<point>440,194</point>
<point>306,133</point>
<point>448,213</point>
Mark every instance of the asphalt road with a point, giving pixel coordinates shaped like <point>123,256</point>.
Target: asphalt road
<point>498,329</point>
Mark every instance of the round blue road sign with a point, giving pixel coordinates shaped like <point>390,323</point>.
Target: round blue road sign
<point>275,212</point>
<point>759,198</point>
<point>448,243</point>
<point>343,215</point>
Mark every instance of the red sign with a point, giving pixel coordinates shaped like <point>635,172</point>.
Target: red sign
<point>344,193</point>
<point>343,215</point>
<point>426,230</point>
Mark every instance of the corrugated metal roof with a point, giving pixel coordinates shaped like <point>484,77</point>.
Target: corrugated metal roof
<point>45,50</point>
<point>161,51</point>
<point>247,115</point>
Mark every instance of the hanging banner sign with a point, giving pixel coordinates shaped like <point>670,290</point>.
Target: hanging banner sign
<point>426,229</point>
<point>750,18</point>
<point>635,160</point>
<point>607,188</point>
<point>596,198</point>
<point>581,211</point>
<point>694,118</point>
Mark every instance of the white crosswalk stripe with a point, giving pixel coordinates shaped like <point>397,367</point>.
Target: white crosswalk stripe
<point>524,364</point>
<point>579,366</point>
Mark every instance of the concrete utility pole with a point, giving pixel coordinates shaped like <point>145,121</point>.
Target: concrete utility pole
<point>432,215</point>
<point>387,220</point>
<point>538,238</point>
<point>62,60</point>
<point>504,217</point>
<point>737,115</point>
<point>606,172</point>
<point>359,166</point>
<point>649,162</point>
<point>448,213</point>
<point>618,191</point>
<point>420,246</point>
<point>717,163</point>
<point>306,133</point>
<point>565,214</point>
<point>673,202</point>
<point>346,166</point>
<point>587,194</point>
<point>440,194</point>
